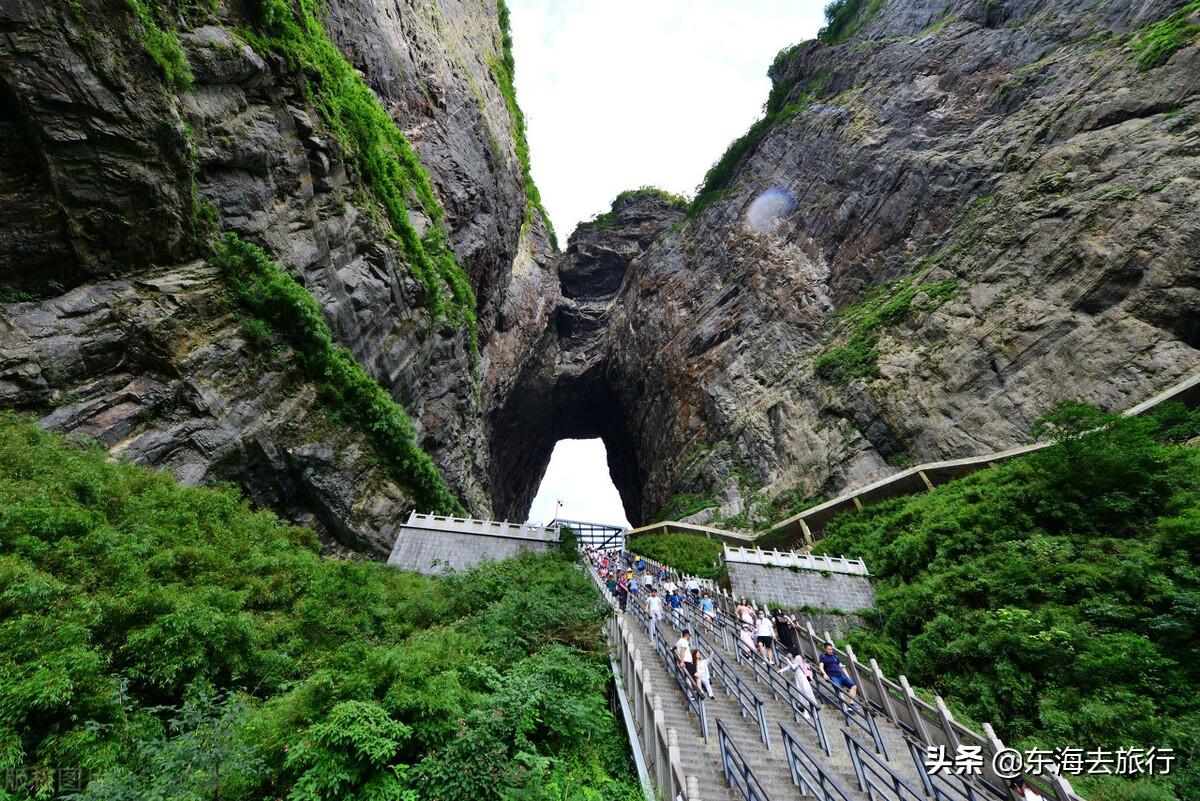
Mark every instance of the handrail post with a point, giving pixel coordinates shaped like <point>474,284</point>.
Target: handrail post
<point>673,758</point>
<point>947,723</point>
<point>884,696</point>
<point>917,718</point>
<point>853,664</point>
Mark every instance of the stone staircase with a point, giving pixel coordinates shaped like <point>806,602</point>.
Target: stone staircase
<point>770,766</point>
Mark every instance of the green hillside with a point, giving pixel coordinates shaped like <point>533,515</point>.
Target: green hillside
<point>1057,596</point>
<point>175,644</point>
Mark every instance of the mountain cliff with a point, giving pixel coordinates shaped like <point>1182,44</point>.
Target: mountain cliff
<point>952,216</point>
<point>295,246</point>
<point>376,156</point>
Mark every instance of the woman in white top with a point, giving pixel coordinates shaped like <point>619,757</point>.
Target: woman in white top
<point>702,677</point>
<point>804,676</point>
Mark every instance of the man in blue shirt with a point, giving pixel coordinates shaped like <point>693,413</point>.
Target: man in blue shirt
<point>831,668</point>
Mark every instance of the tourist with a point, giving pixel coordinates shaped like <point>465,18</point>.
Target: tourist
<point>683,651</point>
<point>1023,791</point>
<point>622,593</point>
<point>744,613</point>
<point>746,640</point>
<point>654,607</point>
<point>804,675</point>
<point>693,590</point>
<point>676,604</point>
<point>709,609</point>
<point>784,631</point>
<point>832,669</point>
<point>703,681</point>
<point>766,636</point>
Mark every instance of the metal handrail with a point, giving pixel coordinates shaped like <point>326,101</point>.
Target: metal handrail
<point>749,701</point>
<point>952,787</point>
<point>807,773</point>
<point>863,719</point>
<point>691,694</point>
<point>875,778</point>
<point>737,771</point>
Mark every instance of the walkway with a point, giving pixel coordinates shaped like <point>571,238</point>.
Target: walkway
<point>767,742</point>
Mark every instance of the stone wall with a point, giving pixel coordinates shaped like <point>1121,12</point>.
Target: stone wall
<point>433,552</point>
<point>797,588</point>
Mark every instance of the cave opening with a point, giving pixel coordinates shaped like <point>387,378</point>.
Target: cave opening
<point>578,486</point>
<point>546,410</point>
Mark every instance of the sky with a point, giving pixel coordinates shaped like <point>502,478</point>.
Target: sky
<point>620,94</point>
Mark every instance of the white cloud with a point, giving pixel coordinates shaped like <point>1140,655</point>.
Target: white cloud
<point>620,94</point>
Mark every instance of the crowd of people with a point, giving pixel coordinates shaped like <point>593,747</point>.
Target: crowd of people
<point>775,636</point>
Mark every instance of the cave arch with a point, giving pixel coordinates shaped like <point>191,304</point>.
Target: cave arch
<point>577,385</point>
<point>532,422</point>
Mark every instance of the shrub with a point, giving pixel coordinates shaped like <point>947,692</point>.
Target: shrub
<point>175,643</point>
<point>386,160</point>
<point>686,553</point>
<point>1054,595</point>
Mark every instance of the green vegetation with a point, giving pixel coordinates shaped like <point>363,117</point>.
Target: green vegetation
<point>716,180</point>
<point>687,553</point>
<point>843,18</point>
<point>384,157</point>
<point>505,70</point>
<point>273,296</point>
<point>685,504</point>
<point>158,37</point>
<point>609,220</point>
<point>858,359</point>
<point>1155,43</point>
<point>1057,596</point>
<point>178,645</point>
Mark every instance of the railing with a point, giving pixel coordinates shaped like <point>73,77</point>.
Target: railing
<point>807,773</point>
<point>658,744</point>
<point>950,787</point>
<point>691,694</point>
<point>738,773</point>
<point>803,561</point>
<point>931,724</point>
<point>803,710</point>
<point>751,704</point>
<point>876,779</point>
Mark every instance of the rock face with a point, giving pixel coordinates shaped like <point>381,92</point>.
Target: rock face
<point>981,208</point>
<point>961,214</point>
<point>120,330</point>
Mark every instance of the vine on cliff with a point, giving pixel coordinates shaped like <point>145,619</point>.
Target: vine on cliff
<point>272,295</point>
<point>386,159</point>
<point>858,358</point>
<point>505,70</point>
<point>1155,43</point>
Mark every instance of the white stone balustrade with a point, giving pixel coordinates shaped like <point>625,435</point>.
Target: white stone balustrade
<point>803,561</point>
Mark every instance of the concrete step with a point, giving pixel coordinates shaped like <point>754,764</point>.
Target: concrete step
<point>693,751</point>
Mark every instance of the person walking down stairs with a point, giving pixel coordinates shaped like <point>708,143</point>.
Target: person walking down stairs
<point>831,668</point>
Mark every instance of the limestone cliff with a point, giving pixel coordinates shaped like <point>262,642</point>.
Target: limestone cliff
<point>953,215</point>
<point>981,208</point>
<point>134,131</point>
